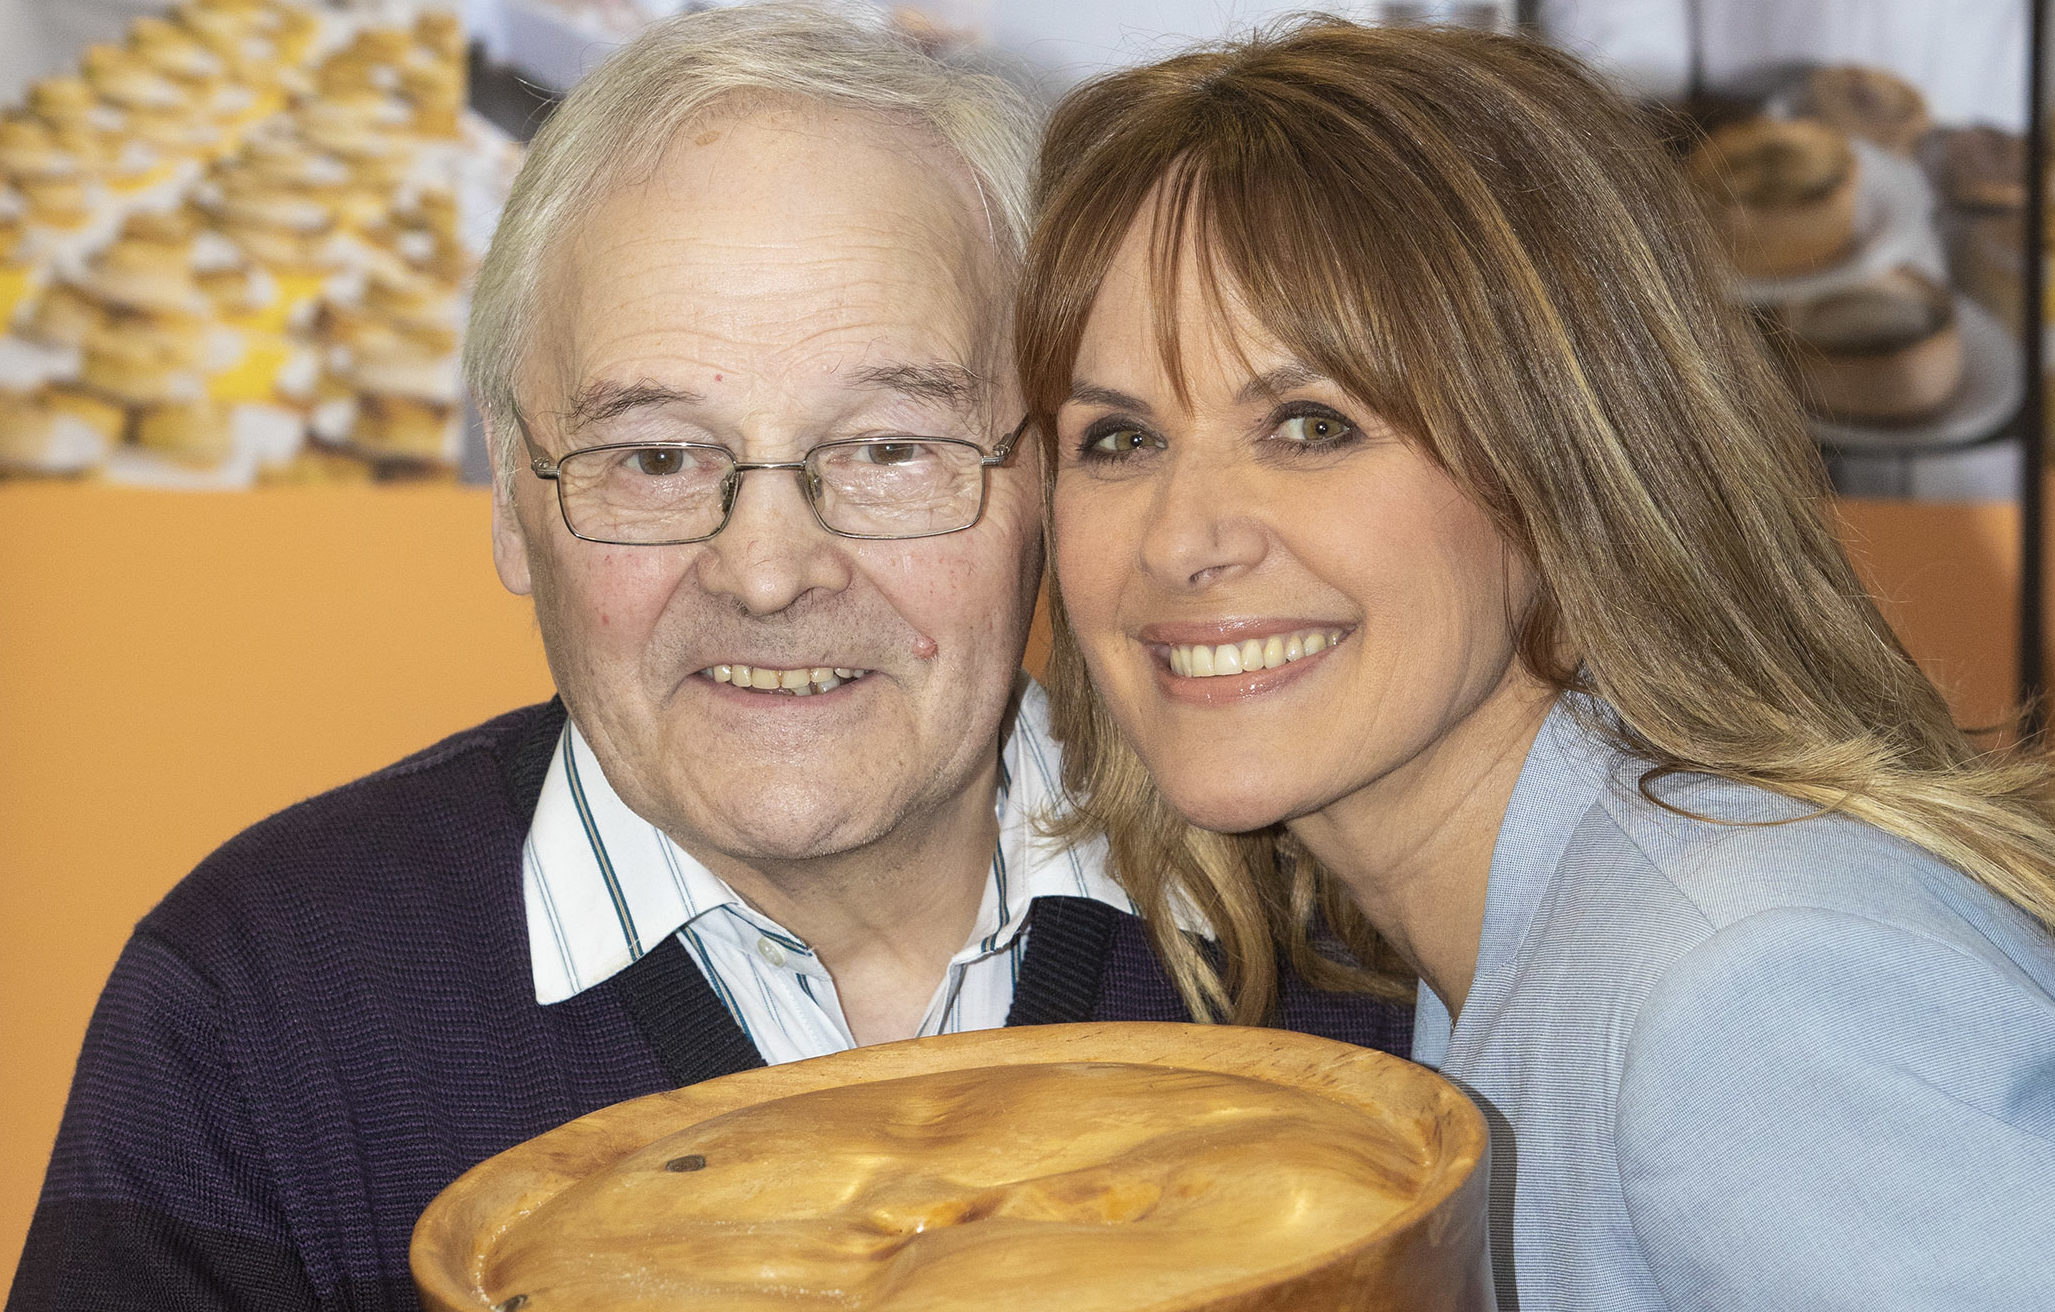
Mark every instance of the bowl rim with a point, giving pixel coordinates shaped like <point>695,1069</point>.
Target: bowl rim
<point>456,1234</point>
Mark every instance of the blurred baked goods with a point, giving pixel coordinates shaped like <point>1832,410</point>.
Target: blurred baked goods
<point>1780,193</point>
<point>195,217</point>
<point>1884,351</point>
<point>1870,104</point>
<point>38,437</point>
<point>192,432</point>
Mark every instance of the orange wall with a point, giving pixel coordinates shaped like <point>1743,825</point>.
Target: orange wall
<point>173,668</point>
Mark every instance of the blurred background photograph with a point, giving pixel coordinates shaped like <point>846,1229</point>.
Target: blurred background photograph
<point>245,503</point>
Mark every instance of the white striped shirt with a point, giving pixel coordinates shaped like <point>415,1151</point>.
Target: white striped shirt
<point>603,886</point>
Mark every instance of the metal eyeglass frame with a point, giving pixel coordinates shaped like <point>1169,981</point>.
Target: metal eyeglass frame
<point>543,467</point>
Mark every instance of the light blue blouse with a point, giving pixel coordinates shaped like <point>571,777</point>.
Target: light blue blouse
<point>1798,1066</point>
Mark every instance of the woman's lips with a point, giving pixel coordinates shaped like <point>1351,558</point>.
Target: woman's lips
<point>1253,657</point>
<point>1202,660</point>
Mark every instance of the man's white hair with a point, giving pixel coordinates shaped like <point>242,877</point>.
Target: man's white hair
<point>614,127</point>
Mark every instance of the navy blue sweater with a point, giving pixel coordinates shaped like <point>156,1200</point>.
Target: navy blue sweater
<point>333,1017</point>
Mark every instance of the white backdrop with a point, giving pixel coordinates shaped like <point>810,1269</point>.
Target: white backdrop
<point>1967,55</point>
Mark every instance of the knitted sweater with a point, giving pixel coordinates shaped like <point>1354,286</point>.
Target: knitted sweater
<point>333,1017</point>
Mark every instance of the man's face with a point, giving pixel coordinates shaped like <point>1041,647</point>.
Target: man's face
<point>787,277</point>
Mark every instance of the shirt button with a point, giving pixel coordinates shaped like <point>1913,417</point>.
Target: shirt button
<point>770,952</point>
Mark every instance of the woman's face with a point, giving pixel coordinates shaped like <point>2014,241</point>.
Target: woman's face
<point>1282,602</point>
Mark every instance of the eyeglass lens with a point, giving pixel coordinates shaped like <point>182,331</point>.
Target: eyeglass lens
<point>889,489</point>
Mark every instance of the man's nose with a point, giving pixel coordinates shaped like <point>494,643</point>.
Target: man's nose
<point>773,551</point>
<point>1205,524</point>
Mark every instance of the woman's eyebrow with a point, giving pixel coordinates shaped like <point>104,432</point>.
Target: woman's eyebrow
<point>1278,381</point>
<point>1093,394</point>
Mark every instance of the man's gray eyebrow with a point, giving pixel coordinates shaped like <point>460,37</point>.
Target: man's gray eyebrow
<point>951,384</point>
<point>600,401</point>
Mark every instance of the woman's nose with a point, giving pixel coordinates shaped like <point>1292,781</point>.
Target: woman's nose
<point>1206,525</point>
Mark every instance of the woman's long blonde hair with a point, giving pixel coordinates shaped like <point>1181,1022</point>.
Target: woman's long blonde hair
<point>1494,253</point>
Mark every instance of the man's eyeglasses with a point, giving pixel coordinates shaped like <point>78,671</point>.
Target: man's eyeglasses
<point>658,494</point>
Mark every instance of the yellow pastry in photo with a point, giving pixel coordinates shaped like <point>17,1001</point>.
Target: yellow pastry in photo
<point>190,432</point>
<point>244,197</point>
<point>65,316</point>
<point>17,283</point>
<point>146,275</point>
<point>29,149</point>
<point>176,53</point>
<point>319,466</point>
<point>410,299</point>
<point>61,99</point>
<point>440,32</point>
<point>436,91</point>
<point>138,361</point>
<point>104,416</point>
<point>301,259</point>
<point>295,33</point>
<point>402,427</point>
<point>38,439</point>
<point>254,377</point>
<point>138,166</point>
<point>125,78</point>
<point>56,202</point>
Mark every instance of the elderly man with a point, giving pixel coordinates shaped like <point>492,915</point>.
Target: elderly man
<point>742,346</point>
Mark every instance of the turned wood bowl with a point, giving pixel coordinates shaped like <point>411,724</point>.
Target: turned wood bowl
<point>1887,350</point>
<point>1780,193</point>
<point>1093,1168</point>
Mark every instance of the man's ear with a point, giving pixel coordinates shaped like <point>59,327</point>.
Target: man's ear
<point>510,545</point>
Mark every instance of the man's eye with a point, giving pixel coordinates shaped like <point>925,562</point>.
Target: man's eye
<point>1316,430</point>
<point>658,461</point>
<point>1120,442</point>
<point>892,453</point>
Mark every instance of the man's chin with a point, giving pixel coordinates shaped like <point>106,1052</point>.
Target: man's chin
<point>779,833</point>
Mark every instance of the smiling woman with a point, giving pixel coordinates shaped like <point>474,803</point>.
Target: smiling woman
<point>1443,593</point>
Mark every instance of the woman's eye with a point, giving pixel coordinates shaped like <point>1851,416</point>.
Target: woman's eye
<point>1315,430</point>
<point>1120,442</point>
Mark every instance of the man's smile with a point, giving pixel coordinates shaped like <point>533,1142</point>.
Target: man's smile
<point>802,681</point>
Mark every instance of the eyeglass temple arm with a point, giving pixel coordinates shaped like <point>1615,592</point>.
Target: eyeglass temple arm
<point>1004,450</point>
<point>539,464</point>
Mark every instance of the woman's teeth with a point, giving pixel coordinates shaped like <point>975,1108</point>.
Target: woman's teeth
<point>802,682</point>
<point>1203,662</point>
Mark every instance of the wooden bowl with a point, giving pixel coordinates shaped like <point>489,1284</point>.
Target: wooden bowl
<point>1092,1168</point>
<point>1781,194</point>
<point>1884,351</point>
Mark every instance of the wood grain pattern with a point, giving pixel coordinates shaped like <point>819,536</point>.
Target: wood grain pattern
<point>1100,1168</point>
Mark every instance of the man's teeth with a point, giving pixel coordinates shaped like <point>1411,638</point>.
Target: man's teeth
<point>1203,662</point>
<point>802,682</point>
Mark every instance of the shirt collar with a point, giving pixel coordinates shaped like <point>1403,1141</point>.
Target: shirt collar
<point>602,885</point>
